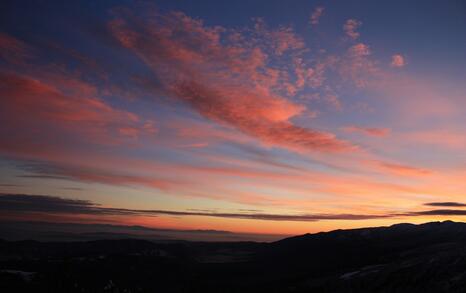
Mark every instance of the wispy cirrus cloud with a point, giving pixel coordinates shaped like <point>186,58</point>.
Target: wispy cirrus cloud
<point>401,169</point>
<point>371,131</point>
<point>85,173</point>
<point>448,139</point>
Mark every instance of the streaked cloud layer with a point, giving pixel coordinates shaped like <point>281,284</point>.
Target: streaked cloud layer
<point>14,205</point>
<point>167,116</point>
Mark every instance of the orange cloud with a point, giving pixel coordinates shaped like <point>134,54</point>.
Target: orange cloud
<point>398,61</point>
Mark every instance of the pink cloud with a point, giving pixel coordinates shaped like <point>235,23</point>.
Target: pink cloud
<point>150,127</point>
<point>276,41</point>
<point>413,99</point>
<point>191,132</point>
<point>128,131</point>
<point>445,138</point>
<point>13,50</point>
<point>229,83</point>
<point>266,119</point>
<point>316,14</point>
<point>357,67</point>
<point>371,131</point>
<point>115,178</point>
<point>286,40</point>
<point>359,50</point>
<point>37,112</point>
<point>398,61</point>
<point>247,82</point>
<point>403,170</point>
<point>334,101</point>
<point>350,28</point>
<point>195,145</point>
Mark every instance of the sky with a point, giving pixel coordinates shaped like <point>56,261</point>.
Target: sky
<point>281,117</point>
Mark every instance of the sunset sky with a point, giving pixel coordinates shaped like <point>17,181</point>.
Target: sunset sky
<point>281,117</point>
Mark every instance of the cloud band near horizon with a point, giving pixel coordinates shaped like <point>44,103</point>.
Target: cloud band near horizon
<point>26,203</point>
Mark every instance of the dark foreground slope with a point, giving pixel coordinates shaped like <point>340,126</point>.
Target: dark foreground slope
<point>401,258</point>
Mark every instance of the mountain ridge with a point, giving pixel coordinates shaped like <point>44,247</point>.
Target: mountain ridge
<point>429,257</point>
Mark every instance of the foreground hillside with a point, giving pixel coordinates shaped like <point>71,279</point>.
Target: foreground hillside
<point>402,258</point>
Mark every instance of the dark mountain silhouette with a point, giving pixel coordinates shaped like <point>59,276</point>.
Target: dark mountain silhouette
<point>401,258</point>
<point>49,231</point>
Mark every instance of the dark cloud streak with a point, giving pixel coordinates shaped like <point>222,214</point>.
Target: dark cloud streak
<point>440,212</point>
<point>446,204</point>
<point>22,203</point>
<point>53,205</point>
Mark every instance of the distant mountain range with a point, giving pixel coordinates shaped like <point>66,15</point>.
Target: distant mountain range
<point>401,258</point>
<point>48,231</point>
